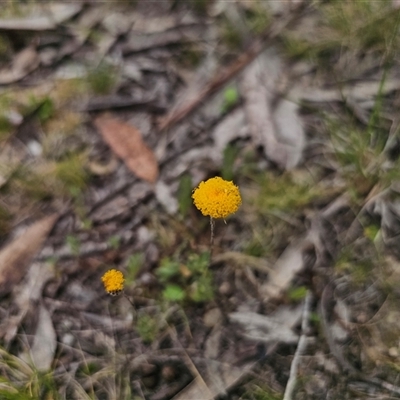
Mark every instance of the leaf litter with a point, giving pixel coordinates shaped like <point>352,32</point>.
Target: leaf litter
<point>336,236</point>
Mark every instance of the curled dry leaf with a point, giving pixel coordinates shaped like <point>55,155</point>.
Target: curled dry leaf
<point>127,143</point>
<point>279,129</point>
<point>16,257</point>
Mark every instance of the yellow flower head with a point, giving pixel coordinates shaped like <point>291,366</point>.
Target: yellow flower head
<point>217,197</point>
<point>113,281</point>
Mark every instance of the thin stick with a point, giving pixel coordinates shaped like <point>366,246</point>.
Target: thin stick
<point>244,59</point>
<point>189,362</point>
<point>301,347</point>
<point>212,225</point>
<point>132,303</point>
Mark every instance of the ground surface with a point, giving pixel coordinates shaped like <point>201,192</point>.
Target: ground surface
<point>111,113</point>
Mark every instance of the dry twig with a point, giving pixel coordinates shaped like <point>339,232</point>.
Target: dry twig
<point>301,347</point>
<point>177,114</point>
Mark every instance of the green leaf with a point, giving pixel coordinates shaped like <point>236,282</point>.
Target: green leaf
<point>202,289</point>
<point>198,263</point>
<point>173,293</point>
<point>167,269</point>
<point>46,109</point>
<point>298,293</point>
<point>231,98</point>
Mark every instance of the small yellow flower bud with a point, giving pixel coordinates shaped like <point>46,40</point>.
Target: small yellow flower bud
<point>113,281</point>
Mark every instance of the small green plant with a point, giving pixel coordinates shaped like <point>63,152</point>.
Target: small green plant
<point>298,293</point>
<point>371,231</point>
<point>231,98</point>
<point>354,28</point>
<point>189,281</point>
<point>284,192</point>
<point>43,107</point>
<point>89,368</point>
<point>257,19</point>
<point>29,183</point>
<point>20,381</point>
<point>147,327</point>
<point>361,152</point>
<point>168,269</point>
<point>198,263</point>
<point>202,289</point>
<point>46,109</point>
<point>358,261</point>
<point>262,392</point>
<point>102,79</point>
<point>254,248</point>
<point>71,172</point>
<point>173,293</point>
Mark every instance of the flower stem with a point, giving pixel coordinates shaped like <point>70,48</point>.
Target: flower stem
<point>132,303</point>
<point>212,225</point>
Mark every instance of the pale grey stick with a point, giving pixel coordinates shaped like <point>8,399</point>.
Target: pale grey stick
<point>301,347</point>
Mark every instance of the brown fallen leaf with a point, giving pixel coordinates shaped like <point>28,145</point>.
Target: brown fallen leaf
<point>127,143</point>
<point>17,255</point>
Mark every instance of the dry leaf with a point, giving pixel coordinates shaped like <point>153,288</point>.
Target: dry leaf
<point>165,197</point>
<point>290,131</point>
<point>360,91</point>
<point>127,143</point>
<point>217,379</point>
<point>17,255</point>
<point>231,127</point>
<point>274,328</point>
<point>44,343</point>
<point>258,87</point>
<point>278,130</point>
<point>27,293</point>
<point>289,264</point>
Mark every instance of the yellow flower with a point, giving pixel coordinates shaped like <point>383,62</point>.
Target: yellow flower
<point>217,197</point>
<point>113,281</point>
